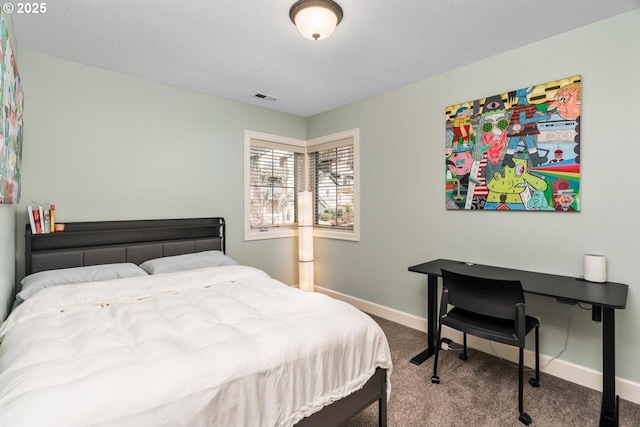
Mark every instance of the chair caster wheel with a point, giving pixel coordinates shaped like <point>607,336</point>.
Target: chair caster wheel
<point>463,357</point>
<point>534,382</point>
<point>435,380</point>
<point>525,419</point>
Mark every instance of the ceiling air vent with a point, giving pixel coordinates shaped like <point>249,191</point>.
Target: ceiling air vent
<point>267,97</point>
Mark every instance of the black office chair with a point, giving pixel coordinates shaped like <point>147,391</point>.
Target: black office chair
<point>491,309</point>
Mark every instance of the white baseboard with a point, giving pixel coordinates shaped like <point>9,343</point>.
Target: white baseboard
<point>587,377</point>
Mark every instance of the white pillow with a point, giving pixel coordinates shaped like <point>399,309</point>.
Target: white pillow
<point>67,276</point>
<point>184,262</point>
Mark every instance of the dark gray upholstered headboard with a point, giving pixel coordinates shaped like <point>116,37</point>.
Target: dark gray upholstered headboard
<point>105,242</point>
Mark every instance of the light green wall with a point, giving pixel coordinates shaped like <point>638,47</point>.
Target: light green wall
<point>7,227</point>
<point>404,221</point>
<point>104,146</point>
<point>7,256</point>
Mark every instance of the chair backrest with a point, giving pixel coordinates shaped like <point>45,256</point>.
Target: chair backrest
<point>490,297</point>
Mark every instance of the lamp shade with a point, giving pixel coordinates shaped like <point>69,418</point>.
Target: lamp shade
<point>305,240</point>
<point>306,276</point>
<point>305,208</point>
<point>305,244</point>
<point>316,19</point>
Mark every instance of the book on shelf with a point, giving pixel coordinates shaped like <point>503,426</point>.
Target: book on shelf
<point>32,222</point>
<point>36,220</point>
<point>41,218</point>
<point>52,217</point>
<point>46,221</point>
<point>41,211</point>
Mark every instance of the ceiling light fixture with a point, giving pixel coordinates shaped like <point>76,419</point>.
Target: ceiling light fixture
<point>316,19</point>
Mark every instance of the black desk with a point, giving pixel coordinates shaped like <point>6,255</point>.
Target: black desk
<point>603,297</point>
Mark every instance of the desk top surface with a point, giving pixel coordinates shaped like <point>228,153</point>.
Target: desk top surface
<point>571,289</point>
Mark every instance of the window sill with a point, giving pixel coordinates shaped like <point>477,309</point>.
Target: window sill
<point>338,235</point>
<point>270,233</point>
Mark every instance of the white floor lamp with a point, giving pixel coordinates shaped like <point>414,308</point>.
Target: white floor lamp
<point>305,240</point>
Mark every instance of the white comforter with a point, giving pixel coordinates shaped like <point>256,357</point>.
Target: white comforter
<point>223,346</point>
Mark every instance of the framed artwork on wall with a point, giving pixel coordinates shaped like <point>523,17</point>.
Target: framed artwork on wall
<point>518,150</point>
<point>11,102</point>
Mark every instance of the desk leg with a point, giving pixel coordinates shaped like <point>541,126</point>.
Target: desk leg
<point>432,321</point>
<point>610,402</point>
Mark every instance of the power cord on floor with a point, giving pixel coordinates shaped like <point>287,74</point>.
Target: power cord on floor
<point>566,341</point>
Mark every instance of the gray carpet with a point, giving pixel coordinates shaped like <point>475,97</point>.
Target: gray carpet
<point>480,392</point>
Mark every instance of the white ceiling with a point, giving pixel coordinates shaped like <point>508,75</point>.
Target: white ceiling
<point>237,48</point>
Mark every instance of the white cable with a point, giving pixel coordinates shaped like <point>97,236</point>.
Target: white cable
<point>508,363</point>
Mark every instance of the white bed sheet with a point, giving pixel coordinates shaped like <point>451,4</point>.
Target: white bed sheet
<point>222,346</point>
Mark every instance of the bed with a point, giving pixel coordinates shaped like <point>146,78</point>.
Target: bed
<point>188,341</point>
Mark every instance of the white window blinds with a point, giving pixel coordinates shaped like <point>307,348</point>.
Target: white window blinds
<point>332,181</point>
<point>276,176</point>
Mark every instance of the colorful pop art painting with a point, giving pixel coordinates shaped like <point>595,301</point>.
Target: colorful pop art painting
<point>518,150</point>
<point>11,102</point>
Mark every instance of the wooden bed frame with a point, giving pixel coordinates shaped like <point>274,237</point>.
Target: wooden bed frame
<point>104,242</point>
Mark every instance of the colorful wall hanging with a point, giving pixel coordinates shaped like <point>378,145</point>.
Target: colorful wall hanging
<point>11,102</point>
<point>518,150</point>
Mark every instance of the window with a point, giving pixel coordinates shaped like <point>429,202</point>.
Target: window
<point>274,171</point>
<point>333,179</point>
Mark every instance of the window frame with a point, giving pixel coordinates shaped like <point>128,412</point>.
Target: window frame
<point>292,230</point>
<point>294,145</point>
<point>354,135</point>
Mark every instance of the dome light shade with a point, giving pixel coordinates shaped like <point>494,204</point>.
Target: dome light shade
<point>316,19</point>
